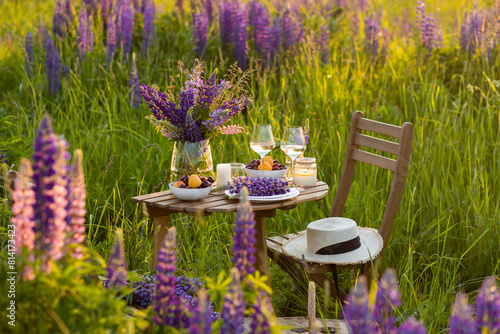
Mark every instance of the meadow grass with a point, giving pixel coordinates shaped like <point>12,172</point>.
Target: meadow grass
<point>446,236</point>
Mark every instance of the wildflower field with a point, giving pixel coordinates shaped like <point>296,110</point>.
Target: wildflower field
<point>75,69</point>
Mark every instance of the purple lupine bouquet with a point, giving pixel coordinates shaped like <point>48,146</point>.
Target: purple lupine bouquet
<point>202,109</point>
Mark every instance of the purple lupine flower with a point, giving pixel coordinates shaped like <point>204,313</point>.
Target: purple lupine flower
<point>244,237</point>
<point>217,118</point>
<point>165,302</point>
<point>372,30</point>
<point>49,176</point>
<point>117,10</point>
<point>28,56</point>
<point>260,26</point>
<point>412,326</point>
<point>287,29</point>
<point>240,38</point>
<point>49,59</point>
<point>461,321</point>
<point>82,32</point>
<point>110,39</point>
<point>202,320</point>
<point>67,10</point>
<point>149,17</point>
<point>476,28</point>
<point>465,33</point>
<point>356,310</point>
<point>227,12</point>
<point>262,309</point>
<point>137,5</point>
<point>209,10</point>
<point>200,26</point>
<point>362,5</point>
<point>127,27</point>
<point>135,88</point>
<point>161,108</point>
<point>192,130</point>
<point>306,131</point>
<point>104,10</point>
<point>273,45</point>
<point>233,309</point>
<point>55,86</point>
<point>324,41</point>
<point>59,23</point>
<point>430,37</point>
<point>76,204</point>
<point>488,307</point>
<point>116,271</point>
<point>23,198</point>
<point>386,299</point>
<point>232,129</point>
<point>2,158</point>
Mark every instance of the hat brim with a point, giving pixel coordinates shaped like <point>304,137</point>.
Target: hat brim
<point>371,246</point>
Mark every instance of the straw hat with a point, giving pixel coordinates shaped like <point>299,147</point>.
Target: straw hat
<point>335,240</point>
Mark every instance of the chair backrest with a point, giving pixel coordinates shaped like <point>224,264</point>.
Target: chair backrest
<point>399,166</point>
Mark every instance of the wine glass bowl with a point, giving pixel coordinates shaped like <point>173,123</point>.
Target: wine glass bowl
<point>293,144</point>
<point>262,140</point>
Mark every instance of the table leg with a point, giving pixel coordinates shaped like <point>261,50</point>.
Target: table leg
<point>161,227</point>
<point>261,261</point>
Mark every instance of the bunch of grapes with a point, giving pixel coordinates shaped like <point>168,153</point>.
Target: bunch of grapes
<point>260,186</point>
<point>254,164</point>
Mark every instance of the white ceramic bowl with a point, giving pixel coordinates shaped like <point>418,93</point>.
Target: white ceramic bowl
<point>267,173</point>
<point>189,194</point>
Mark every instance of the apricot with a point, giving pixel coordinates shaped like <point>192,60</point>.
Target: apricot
<point>268,159</point>
<point>177,184</point>
<point>194,181</point>
<point>267,166</point>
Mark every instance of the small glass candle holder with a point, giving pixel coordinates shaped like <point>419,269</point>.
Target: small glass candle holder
<point>223,174</point>
<point>237,170</point>
<point>306,172</point>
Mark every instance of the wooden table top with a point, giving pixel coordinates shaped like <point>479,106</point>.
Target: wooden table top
<point>219,202</point>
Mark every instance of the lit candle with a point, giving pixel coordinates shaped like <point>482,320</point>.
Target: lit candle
<point>305,179</point>
<point>223,174</point>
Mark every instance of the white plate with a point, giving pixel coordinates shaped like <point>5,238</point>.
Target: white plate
<point>275,198</point>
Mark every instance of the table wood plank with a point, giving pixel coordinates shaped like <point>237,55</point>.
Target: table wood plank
<point>140,199</point>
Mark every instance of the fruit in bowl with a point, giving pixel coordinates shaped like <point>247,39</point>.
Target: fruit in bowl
<point>270,168</point>
<point>192,188</point>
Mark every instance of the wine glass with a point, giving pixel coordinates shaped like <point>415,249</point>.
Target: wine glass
<point>293,144</point>
<point>262,141</point>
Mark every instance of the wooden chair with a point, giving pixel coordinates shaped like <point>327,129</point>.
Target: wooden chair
<point>402,150</point>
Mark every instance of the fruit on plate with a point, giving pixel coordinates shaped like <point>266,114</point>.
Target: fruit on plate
<point>194,182</point>
<point>271,164</point>
<point>261,187</point>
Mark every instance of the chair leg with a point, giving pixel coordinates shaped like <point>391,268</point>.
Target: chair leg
<point>290,268</point>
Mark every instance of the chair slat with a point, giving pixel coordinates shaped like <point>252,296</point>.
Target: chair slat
<point>376,143</point>
<point>373,159</point>
<point>378,127</point>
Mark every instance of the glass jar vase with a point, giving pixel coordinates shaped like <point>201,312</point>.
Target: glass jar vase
<point>191,158</point>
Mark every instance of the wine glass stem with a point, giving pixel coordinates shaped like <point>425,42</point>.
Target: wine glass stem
<point>293,170</point>
<point>262,164</point>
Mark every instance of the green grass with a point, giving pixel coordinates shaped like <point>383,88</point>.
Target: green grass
<point>446,236</point>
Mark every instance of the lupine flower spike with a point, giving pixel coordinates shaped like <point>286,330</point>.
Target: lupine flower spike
<point>262,312</point>
<point>82,32</point>
<point>386,299</point>
<point>49,60</point>
<point>149,17</point>
<point>116,271</point>
<point>200,26</point>
<point>23,198</point>
<point>76,204</point>
<point>244,236</point>
<point>202,319</point>
<point>127,27</point>
<point>233,309</point>
<point>356,309</point>
<point>110,38</point>
<point>488,307</point>
<point>412,326</point>
<point>49,176</point>
<point>166,305</point>
<point>461,321</point>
